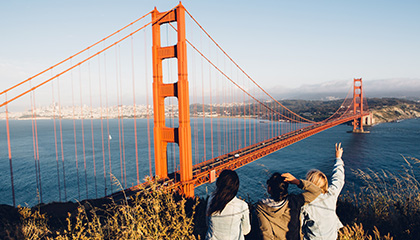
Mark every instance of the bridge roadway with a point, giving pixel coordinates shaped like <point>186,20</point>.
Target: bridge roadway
<point>209,170</point>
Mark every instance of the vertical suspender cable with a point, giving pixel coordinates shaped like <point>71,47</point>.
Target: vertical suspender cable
<point>61,139</point>
<point>147,103</point>
<point>91,129</point>
<point>75,136</point>
<point>237,119</point>
<point>83,131</point>
<point>55,142</point>
<point>10,154</point>
<point>134,110</point>
<point>244,115</point>
<point>119,114</point>
<point>255,122</point>
<point>107,122</point>
<point>203,111</point>
<point>35,130</point>
<point>225,124</point>
<point>122,118</point>
<point>122,126</point>
<point>211,111</point>
<point>219,113</point>
<point>195,110</point>
<point>37,151</point>
<point>102,126</point>
<point>34,145</point>
<point>249,120</point>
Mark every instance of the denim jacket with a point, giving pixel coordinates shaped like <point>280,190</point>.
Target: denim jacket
<point>230,224</point>
<point>319,220</point>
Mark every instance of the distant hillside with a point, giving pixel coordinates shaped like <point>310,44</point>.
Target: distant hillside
<point>383,109</point>
<point>392,109</point>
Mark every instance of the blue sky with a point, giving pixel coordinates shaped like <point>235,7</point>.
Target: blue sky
<point>281,44</point>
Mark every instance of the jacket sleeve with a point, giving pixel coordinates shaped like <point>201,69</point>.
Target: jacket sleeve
<point>312,191</point>
<point>337,179</point>
<point>245,223</point>
<point>264,224</point>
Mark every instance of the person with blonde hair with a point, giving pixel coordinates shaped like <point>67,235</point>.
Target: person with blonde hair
<point>319,219</point>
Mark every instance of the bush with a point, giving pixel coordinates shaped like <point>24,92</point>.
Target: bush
<point>390,202</point>
<point>153,213</point>
<point>356,232</point>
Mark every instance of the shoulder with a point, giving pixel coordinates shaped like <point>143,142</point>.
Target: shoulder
<point>239,202</point>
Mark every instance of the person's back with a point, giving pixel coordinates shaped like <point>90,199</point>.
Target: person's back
<point>227,216</point>
<point>279,215</point>
<point>319,219</point>
<point>231,223</point>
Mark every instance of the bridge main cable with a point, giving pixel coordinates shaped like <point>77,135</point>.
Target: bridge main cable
<point>249,77</point>
<point>74,55</point>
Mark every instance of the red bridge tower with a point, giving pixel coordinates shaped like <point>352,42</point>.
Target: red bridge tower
<point>162,134</point>
<point>358,105</point>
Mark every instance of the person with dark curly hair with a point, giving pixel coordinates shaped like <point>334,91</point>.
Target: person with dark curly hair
<point>278,215</point>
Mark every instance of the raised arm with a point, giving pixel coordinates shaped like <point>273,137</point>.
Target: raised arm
<point>311,190</point>
<point>337,179</point>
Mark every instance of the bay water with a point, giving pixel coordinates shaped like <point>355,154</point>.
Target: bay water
<point>382,149</point>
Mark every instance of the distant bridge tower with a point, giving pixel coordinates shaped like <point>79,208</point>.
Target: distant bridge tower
<point>162,134</point>
<point>358,104</point>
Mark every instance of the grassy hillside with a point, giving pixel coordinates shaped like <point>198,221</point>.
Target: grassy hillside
<point>384,109</point>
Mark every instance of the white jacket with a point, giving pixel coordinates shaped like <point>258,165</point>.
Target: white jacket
<point>230,224</point>
<point>319,219</point>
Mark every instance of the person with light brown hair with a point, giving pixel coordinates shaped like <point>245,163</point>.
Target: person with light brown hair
<point>319,219</point>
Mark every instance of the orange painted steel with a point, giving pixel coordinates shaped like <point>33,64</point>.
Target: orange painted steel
<point>67,70</point>
<point>208,171</point>
<point>357,104</point>
<point>246,92</point>
<point>162,134</point>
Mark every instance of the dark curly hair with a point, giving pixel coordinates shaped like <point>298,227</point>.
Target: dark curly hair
<point>278,187</point>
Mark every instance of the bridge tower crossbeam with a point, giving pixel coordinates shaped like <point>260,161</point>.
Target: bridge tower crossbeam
<point>162,134</point>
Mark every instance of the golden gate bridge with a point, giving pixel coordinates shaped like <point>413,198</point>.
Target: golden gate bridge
<point>208,114</point>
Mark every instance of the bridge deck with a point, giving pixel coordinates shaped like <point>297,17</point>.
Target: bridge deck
<point>207,171</point>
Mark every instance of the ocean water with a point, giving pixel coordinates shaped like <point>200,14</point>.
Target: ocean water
<point>382,149</point>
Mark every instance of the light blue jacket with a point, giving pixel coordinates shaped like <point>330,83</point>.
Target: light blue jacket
<point>230,224</point>
<point>319,219</point>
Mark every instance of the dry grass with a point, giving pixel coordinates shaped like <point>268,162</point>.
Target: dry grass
<point>153,213</point>
<point>34,224</point>
<point>389,202</point>
<point>356,232</point>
